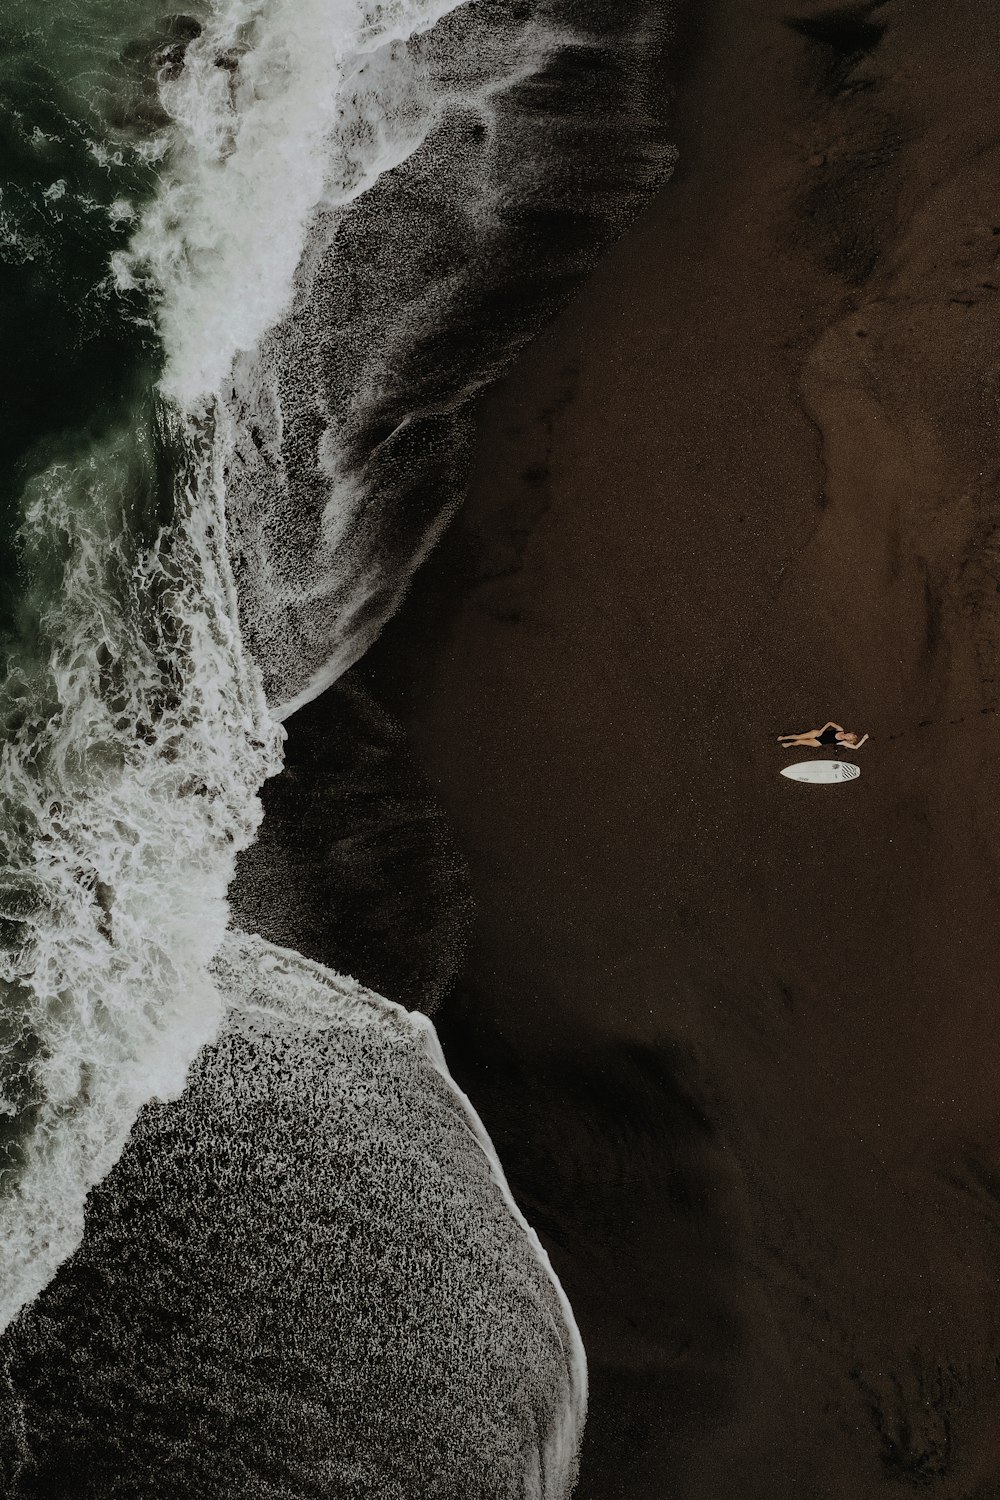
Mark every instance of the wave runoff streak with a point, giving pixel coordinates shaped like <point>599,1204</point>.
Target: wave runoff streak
<point>156,227</point>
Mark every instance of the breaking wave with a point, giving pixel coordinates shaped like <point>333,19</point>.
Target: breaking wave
<point>136,728</point>
<point>135,740</point>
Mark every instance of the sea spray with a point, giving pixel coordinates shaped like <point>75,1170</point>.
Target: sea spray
<point>304,1277</point>
<point>135,739</point>
<point>523,137</point>
<point>283,115</point>
<point>137,734</point>
<point>279,104</point>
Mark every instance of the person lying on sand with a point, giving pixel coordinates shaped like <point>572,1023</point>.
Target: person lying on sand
<point>817,739</point>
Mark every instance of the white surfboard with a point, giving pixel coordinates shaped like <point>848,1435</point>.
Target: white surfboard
<point>822,771</point>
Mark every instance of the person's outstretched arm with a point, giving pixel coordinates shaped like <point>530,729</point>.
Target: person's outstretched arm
<point>860,742</point>
<point>831,725</point>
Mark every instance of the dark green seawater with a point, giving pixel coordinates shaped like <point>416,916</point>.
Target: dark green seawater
<point>133,732</point>
<point>171,187</point>
<point>80,133</point>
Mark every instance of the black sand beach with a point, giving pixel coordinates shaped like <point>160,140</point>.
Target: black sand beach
<point>736,1039</point>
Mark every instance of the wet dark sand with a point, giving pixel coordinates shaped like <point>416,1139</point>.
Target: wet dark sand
<point>736,1039</point>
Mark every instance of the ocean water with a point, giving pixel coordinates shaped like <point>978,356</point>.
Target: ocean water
<point>135,735</point>
<point>169,184</point>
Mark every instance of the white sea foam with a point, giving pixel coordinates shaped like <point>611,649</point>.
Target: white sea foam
<point>136,739</point>
<point>286,112</point>
<point>279,103</point>
<point>138,734</point>
<point>314,586</point>
<point>137,731</point>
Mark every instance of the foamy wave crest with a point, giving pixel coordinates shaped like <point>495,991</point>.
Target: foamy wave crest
<point>285,113</point>
<point>279,104</point>
<point>354,407</point>
<point>137,732</point>
<point>135,740</point>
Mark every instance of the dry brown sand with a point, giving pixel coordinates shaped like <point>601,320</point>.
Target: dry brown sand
<point>737,1039</point>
